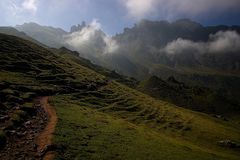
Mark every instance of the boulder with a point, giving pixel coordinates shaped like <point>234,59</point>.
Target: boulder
<point>228,143</point>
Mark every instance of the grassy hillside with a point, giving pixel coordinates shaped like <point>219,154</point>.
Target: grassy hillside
<point>12,31</point>
<point>85,133</point>
<point>75,57</point>
<point>94,114</point>
<point>100,118</point>
<point>192,97</point>
<point>28,71</point>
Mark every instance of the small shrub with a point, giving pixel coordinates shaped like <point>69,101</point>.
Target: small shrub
<point>3,138</point>
<point>29,109</point>
<point>8,91</point>
<point>11,98</point>
<point>17,118</point>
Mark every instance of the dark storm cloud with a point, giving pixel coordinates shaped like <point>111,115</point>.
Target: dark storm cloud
<point>172,8</point>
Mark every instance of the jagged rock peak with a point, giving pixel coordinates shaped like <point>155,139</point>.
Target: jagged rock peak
<point>78,27</point>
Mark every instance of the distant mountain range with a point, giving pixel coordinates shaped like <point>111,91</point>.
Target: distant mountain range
<point>159,33</point>
<point>49,36</point>
<point>184,49</point>
<point>142,46</point>
<point>146,43</point>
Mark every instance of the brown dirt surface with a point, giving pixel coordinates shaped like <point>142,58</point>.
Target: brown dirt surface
<point>33,139</point>
<point>45,138</point>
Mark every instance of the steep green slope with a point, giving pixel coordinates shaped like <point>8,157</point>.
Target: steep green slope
<point>85,133</point>
<point>27,71</point>
<point>192,97</point>
<point>94,114</point>
<point>75,57</point>
<point>100,118</point>
<point>12,31</point>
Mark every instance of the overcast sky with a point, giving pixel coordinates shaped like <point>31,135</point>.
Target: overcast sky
<point>114,15</point>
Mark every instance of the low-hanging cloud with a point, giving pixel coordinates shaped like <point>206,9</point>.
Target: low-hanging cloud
<point>111,45</point>
<point>221,42</point>
<point>139,8</point>
<point>228,41</point>
<point>91,39</point>
<point>173,8</point>
<point>30,5</point>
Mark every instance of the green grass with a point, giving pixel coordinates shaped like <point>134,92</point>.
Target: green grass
<point>86,133</point>
<point>191,97</point>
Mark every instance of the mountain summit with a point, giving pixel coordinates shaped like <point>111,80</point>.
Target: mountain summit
<point>78,27</point>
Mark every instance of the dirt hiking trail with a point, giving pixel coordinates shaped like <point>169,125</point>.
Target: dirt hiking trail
<point>44,140</point>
